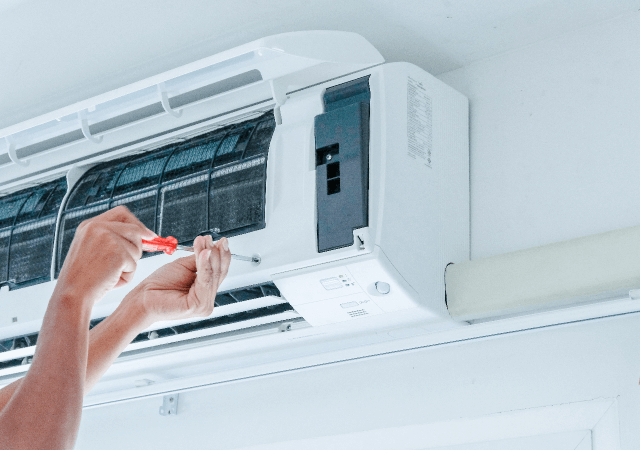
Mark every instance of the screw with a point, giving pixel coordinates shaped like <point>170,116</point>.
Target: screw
<point>328,157</point>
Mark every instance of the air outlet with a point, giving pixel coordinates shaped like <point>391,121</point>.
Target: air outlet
<point>124,111</point>
<point>263,302</point>
<point>215,322</point>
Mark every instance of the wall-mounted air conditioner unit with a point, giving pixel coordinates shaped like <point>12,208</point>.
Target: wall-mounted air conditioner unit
<point>348,176</point>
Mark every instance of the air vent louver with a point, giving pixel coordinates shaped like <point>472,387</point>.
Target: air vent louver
<point>27,228</point>
<point>215,181</point>
<point>222,299</point>
<point>125,110</point>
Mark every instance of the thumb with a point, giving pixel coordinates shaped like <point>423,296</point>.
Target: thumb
<point>204,279</point>
<point>188,262</point>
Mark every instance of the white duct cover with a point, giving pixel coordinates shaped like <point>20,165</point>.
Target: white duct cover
<point>579,270</point>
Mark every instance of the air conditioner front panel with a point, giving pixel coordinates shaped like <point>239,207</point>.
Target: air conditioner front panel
<point>225,166</point>
<point>288,240</point>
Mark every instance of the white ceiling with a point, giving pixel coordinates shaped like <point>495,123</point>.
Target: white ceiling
<point>55,53</point>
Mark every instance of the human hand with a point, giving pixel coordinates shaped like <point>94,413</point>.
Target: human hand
<point>104,254</point>
<point>186,287</point>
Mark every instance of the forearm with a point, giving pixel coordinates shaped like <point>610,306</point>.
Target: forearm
<point>7,392</point>
<point>44,408</point>
<point>106,341</point>
<point>109,338</point>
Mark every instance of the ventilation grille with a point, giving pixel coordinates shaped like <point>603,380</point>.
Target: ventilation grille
<point>215,322</point>
<point>222,299</point>
<point>358,313</point>
<point>27,229</point>
<point>213,182</point>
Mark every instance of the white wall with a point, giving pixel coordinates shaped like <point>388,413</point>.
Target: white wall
<point>555,138</point>
<point>56,53</point>
<point>517,371</point>
<point>554,155</point>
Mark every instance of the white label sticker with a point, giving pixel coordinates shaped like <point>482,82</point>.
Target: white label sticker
<point>419,123</point>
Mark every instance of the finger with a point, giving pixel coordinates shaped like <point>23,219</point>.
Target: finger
<point>129,232</point>
<point>122,214</point>
<point>199,243</point>
<point>225,259</point>
<point>128,270</point>
<point>215,262</point>
<point>188,262</point>
<point>129,264</point>
<point>133,251</point>
<point>204,279</point>
<point>204,289</point>
<point>112,237</point>
<point>125,278</point>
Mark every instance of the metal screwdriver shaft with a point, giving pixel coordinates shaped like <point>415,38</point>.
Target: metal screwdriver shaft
<point>253,259</point>
<point>170,245</point>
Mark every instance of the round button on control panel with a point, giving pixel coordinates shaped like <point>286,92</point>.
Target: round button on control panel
<point>382,287</point>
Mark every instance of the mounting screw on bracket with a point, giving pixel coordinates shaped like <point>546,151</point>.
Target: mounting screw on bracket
<point>169,405</point>
<point>284,327</point>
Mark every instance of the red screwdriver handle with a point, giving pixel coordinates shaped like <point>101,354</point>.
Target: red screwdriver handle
<point>160,244</point>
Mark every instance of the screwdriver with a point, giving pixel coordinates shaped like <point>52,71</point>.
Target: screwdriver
<point>169,245</point>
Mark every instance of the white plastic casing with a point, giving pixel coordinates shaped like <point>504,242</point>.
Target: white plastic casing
<point>418,211</point>
<point>418,205</point>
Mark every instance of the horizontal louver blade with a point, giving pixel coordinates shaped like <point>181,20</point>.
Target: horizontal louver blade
<point>19,350</point>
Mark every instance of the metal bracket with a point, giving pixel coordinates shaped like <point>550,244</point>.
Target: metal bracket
<point>84,126</point>
<point>279,93</point>
<point>12,153</point>
<point>164,99</point>
<point>169,405</point>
